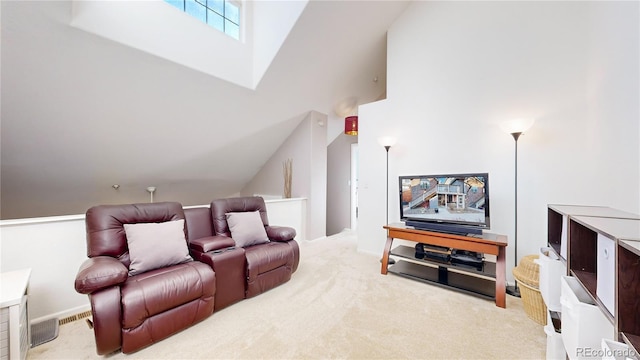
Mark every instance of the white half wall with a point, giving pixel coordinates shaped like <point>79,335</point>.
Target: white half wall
<point>458,69</point>
<point>54,248</point>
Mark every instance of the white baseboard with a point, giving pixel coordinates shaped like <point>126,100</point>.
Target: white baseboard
<point>62,314</point>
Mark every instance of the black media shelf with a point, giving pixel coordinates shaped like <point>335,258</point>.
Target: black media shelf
<point>407,252</point>
<point>466,283</point>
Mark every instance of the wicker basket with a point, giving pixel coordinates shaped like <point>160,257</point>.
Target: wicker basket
<point>527,273</point>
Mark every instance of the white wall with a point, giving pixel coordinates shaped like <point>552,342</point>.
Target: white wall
<point>143,25</point>
<point>307,147</point>
<point>269,180</point>
<point>317,209</point>
<point>457,69</point>
<point>272,21</point>
<point>55,247</point>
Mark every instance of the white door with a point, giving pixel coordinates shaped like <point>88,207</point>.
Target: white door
<point>354,186</point>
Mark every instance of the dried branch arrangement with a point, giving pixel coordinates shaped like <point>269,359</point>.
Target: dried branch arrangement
<point>287,171</point>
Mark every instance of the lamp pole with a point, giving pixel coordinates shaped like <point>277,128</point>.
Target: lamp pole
<point>516,127</point>
<point>387,147</point>
<point>513,290</point>
<point>387,142</point>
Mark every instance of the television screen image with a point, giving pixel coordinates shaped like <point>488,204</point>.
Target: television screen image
<point>457,199</point>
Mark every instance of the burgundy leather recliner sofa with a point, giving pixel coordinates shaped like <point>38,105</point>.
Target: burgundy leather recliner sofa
<point>134,310</point>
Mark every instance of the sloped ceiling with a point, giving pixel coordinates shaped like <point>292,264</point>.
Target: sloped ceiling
<point>81,113</point>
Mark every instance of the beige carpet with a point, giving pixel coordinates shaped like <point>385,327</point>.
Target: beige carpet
<point>338,305</point>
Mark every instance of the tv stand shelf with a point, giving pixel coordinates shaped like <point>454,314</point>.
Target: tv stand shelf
<point>488,283</point>
<point>433,275</point>
<point>408,252</point>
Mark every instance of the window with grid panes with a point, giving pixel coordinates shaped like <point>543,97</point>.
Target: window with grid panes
<point>223,15</point>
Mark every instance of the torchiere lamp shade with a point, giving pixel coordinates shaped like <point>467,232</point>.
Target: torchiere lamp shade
<point>351,125</point>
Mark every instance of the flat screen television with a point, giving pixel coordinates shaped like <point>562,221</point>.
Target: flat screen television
<point>452,203</point>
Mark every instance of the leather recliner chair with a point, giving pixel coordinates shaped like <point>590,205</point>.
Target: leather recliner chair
<point>133,311</point>
<point>267,265</point>
<point>241,272</point>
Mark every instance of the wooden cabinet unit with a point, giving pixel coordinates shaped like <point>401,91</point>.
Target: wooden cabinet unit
<point>628,319</point>
<point>558,219</point>
<point>604,256</point>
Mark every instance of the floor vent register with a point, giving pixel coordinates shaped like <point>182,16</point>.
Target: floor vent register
<point>43,332</point>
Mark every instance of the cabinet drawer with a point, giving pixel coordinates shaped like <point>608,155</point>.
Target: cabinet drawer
<point>613,350</point>
<point>555,346</point>
<point>551,270</point>
<point>584,325</point>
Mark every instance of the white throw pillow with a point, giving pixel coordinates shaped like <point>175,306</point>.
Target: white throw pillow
<point>246,228</point>
<point>156,245</point>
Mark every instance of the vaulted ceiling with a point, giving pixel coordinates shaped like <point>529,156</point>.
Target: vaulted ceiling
<point>81,113</point>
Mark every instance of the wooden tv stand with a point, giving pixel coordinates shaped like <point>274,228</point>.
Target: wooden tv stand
<point>490,282</point>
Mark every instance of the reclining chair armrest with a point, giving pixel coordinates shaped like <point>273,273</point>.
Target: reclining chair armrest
<point>107,317</point>
<point>280,233</point>
<point>211,243</point>
<point>100,272</point>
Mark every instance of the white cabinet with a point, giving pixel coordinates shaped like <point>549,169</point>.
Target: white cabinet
<point>583,323</point>
<point>551,270</point>
<point>613,350</point>
<point>555,346</point>
<point>15,332</point>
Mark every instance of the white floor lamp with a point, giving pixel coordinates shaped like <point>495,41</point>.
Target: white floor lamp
<point>516,128</point>
<point>387,142</point>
